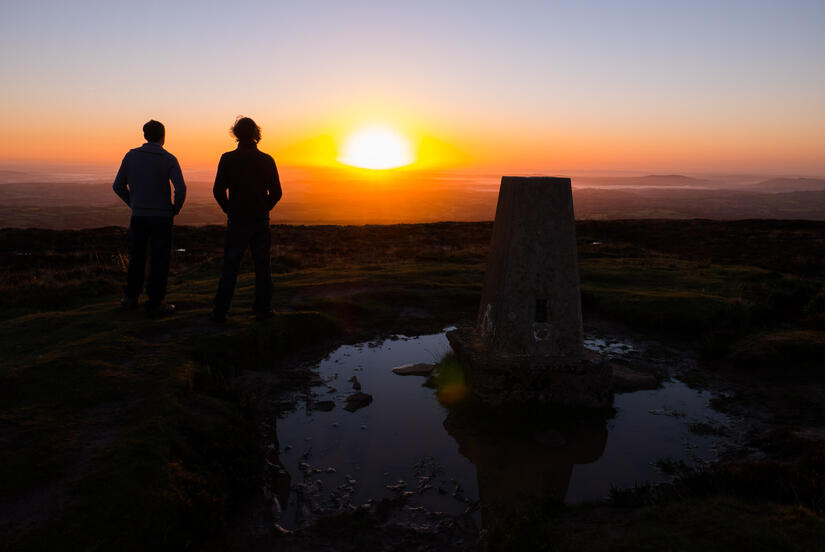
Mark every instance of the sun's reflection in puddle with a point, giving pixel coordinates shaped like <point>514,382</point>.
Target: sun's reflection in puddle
<point>407,448</point>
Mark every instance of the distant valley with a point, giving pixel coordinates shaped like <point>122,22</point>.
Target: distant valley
<point>334,198</point>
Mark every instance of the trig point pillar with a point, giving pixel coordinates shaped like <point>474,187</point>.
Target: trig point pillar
<point>531,301</point>
<point>527,342</point>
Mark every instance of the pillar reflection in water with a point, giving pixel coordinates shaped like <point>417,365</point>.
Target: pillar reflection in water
<point>520,464</point>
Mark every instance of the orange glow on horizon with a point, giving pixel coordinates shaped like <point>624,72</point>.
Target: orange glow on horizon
<point>641,94</point>
<point>373,147</point>
<point>376,147</point>
<point>433,145</point>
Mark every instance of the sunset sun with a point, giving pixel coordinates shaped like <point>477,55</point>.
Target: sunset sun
<point>376,147</point>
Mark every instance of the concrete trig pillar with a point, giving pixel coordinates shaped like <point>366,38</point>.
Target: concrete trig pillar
<point>531,302</point>
<point>526,345</point>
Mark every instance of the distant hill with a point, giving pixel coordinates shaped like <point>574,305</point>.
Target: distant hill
<point>65,206</point>
<point>649,181</point>
<point>777,185</point>
<point>596,203</point>
<point>11,176</point>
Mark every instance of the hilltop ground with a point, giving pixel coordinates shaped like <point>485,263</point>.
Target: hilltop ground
<point>122,432</point>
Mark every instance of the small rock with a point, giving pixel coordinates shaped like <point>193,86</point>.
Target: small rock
<point>281,531</point>
<point>666,412</point>
<point>324,406</point>
<point>420,369</point>
<point>357,400</point>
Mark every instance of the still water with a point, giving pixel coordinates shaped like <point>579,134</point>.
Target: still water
<point>405,445</point>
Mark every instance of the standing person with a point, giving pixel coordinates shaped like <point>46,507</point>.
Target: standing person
<point>251,179</point>
<point>143,184</point>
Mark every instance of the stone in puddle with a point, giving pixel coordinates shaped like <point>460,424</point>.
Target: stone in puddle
<point>324,406</point>
<point>420,369</point>
<point>357,400</point>
<point>355,383</point>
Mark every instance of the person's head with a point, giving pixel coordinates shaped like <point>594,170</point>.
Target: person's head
<point>245,130</point>
<point>154,131</point>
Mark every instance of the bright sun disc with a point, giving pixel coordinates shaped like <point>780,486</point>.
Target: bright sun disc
<point>376,147</point>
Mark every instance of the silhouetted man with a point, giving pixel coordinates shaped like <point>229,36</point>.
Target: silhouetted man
<point>143,183</point>
<point>251,179</point>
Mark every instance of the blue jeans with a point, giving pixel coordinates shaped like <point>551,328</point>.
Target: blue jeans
<point>157,233</point>
<point>239,236</point>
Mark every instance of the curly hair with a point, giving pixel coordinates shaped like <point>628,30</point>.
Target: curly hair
<point>246,130</point>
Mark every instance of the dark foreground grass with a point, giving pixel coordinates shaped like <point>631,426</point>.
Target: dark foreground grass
<point>762,505</point>
<point>724,523</point>
<point>123,432</point>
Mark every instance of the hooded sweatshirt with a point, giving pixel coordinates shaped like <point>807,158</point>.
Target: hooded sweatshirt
<point>143,181</point>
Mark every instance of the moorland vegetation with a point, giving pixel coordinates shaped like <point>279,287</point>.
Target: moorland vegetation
<point>124,432</point>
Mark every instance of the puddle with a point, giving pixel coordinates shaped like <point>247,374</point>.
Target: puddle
<point>406,447</point>
<point>649,425</point>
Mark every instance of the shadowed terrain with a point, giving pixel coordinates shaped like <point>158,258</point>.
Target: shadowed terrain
<point>127,432</point>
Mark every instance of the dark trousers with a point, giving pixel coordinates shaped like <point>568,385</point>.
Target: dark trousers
<point>157,232</point>
<point>239,236</point>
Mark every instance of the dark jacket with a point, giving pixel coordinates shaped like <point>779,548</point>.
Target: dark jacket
<point>251,180</point>
<point>143,181</point>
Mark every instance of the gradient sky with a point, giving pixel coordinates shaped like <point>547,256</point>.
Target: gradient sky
<point>713,86</point>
